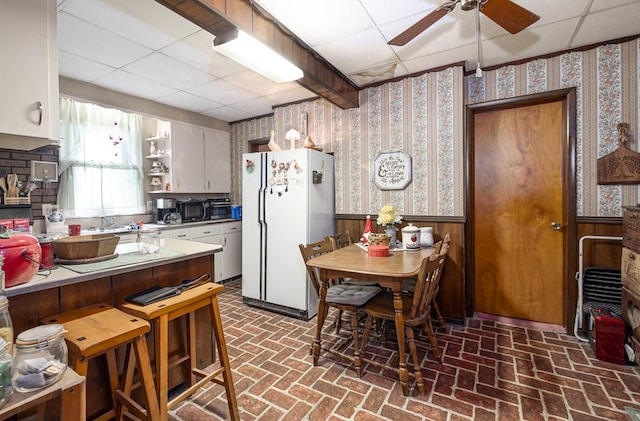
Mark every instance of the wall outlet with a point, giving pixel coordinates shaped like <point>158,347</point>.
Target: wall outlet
<point>47,208</point>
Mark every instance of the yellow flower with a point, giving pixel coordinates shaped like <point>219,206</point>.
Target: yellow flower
<point>388,215</point>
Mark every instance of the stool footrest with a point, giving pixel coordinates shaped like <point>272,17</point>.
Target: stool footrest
<point>130,404</point>
<point>207,378</point>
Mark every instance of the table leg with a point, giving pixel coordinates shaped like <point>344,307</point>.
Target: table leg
<point>322,314</point>
<point>402,356</point>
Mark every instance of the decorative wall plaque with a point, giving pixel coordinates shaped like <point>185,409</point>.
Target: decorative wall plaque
<point>621,166</point>
<point>392,170</point>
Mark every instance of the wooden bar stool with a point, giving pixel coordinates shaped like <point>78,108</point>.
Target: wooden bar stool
<point>100,329</point>
<point>161,313</point>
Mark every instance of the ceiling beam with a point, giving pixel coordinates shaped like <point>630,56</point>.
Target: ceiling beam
<point>221,16</point>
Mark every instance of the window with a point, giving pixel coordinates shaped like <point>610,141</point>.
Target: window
<point>100,161</point>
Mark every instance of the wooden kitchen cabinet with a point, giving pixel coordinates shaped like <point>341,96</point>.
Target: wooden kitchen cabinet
<point>30,115</point>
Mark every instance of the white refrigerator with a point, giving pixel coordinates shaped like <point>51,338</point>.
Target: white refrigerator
<point>287,199</point>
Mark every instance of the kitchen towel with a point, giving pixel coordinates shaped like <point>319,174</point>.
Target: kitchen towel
<point>123,260</point>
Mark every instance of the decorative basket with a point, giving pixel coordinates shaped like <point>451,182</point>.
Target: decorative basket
<point>85,246</point>
<point>379,239</point>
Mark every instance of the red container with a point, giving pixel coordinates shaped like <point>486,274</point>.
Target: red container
<point>46,259</point>
<point>21,256</point>
<point>608,336</point>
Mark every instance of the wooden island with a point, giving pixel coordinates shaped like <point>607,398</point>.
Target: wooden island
<point>63,289</point>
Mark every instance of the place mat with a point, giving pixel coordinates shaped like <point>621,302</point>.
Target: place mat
<point>123,260</point>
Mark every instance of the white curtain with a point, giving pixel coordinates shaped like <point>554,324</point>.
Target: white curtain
<point>100,161</point>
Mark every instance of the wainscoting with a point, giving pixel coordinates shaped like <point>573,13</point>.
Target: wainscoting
<point>454,299</point>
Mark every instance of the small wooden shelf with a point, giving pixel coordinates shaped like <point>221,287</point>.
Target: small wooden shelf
<point>156,138</point>
<point>157,156</point>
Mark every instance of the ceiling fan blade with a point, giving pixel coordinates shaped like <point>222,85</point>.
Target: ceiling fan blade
<point>509,15</point>
<point>417,28</point>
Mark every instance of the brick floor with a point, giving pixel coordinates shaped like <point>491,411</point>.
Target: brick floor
<point>491,371</point>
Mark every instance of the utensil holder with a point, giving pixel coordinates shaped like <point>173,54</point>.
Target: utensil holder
<point>17,200</point>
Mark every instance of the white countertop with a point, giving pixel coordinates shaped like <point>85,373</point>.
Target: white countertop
<point>60,276</point>
<point>128,230</point>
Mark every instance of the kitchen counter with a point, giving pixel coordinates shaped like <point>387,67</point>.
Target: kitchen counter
<point>61,276</point>
<point>64,290</point>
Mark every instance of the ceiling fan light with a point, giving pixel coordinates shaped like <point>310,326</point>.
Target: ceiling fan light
<point>256,56</point>
<point>478,71</point>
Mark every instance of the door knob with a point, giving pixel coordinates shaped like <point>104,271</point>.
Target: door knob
<point>556,226</point>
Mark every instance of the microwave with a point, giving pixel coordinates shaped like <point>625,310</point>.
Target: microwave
<point>193,210</point>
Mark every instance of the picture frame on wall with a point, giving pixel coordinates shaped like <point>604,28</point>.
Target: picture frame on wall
<point>392,170</point>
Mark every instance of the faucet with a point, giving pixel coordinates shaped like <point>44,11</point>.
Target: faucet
<point>111,222</point>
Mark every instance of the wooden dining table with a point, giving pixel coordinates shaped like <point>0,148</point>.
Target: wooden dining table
<point>388,272</point>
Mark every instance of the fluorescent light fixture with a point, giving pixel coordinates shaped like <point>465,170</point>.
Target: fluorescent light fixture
<point>251,53</point>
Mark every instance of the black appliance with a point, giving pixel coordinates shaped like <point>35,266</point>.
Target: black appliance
<point>193,210</point>
<point>219,208</point>
<point>163,207</point>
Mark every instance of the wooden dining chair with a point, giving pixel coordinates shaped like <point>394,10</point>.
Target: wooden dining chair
<point>408,285</point>
<point>416,311</point>
<point>338,241</point>
<point>344,297</point>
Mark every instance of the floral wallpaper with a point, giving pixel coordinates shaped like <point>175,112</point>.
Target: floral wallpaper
<point>424,116</point>
<point>607,85</point>
<point>421,115</point>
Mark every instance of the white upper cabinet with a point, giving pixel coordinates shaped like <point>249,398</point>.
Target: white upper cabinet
<point>201,160</point>
<point>217,165</point>
<point>29,114</point>
<point>187,157</point>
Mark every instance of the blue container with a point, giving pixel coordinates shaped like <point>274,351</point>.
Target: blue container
<point>236,212</point>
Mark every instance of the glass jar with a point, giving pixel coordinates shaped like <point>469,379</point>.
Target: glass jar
<point>40,357</point>
<point>5,372</point>
<point>148,241</point>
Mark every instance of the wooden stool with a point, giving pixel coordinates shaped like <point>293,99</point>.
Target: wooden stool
<point>98,330</point>
<point>160,313</point>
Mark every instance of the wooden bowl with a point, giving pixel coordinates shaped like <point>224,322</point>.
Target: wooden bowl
<point>379,239</point>
<point>85,246</point>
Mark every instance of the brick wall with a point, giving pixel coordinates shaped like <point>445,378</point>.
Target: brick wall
<point>19,162</point>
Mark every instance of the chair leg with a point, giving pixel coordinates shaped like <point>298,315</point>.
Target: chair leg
<point>428,330</point>
<point>356,346</point>
<point>436,309</point>
<point>338,322</point>
<point>416,363</point>
<point>365,336</point>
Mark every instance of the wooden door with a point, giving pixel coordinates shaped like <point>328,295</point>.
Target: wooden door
<point>518,194</point>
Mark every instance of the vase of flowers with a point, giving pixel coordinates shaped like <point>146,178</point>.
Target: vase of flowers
<point>389,217</point>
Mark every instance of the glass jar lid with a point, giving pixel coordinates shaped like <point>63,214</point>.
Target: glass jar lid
<point>39,336</point>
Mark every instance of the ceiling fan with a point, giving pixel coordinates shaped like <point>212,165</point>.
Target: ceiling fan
<point>505,13</point>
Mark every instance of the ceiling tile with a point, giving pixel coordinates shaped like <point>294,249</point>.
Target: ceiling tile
<point>122,81</point>
<point>187,101</point>
<point>146,22</point>
<point>222,92</point>
<point>383,12</point>
<point>79,68</point>
<point>291,95</point>
<point>257,106</point>
<point>163,69</point>
<point>196,51</point>
<point>366,49</point>
<point>228,114</point>
<point>317,22</point>
<point>617,23</point>
<point>258,84</point>
<point>82,39</point>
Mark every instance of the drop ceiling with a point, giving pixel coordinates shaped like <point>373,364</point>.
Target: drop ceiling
<point>142,48</point>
